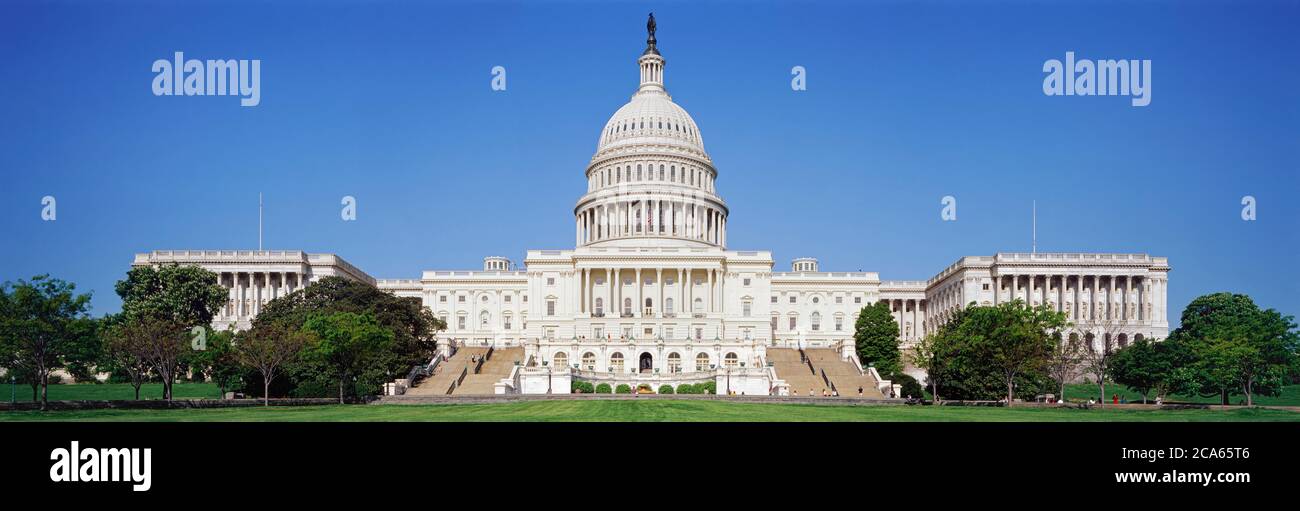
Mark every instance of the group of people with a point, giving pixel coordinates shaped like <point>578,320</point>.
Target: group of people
<point>825,393</point>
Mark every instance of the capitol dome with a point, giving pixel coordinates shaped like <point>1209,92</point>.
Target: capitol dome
<point>650,183</point>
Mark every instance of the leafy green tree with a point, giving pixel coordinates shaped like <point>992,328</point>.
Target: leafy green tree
<point>43,322</point>
<point>350,346</point>
<point>413,326</point>
<point>925,355</point>
<point>218,362</point>
<point>875,336</point>
<point>126,351</point>
<point>991,352</point>
<point>267,348</point>
<point>1140,367</point>
<point>1237,347</point>
<point>185,295</point>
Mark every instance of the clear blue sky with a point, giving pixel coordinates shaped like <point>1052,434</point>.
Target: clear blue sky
<point>906,102</point>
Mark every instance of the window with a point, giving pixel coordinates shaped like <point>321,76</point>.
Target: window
<point>600,332</point>
<point>699,305</point>
<point>507,298</point>
<point>773,299</point>
<point>702,362</point>
<point>600,307</point>
<point>730,360</point>
<point>857,299</point>
<point>506,320</point>
<point>483,320</point>
<point>616,363</point>
<point>668,305</point>
<point>816,321</point>
<point>986,286</point>
<point>794,321</point>
<point>674,363</point>
<point>746,281</point>
<point>774,320</point>
<point>748,308</point>
<point>668,332</point>
<point>442,299</point>
<point>483,299</point>
<point>627,306</point>
<point>817,299</point>
<point>839,323</point>
<point>589,361</point>
<point>460,298</point>
<point>839,299</point>
<point>550,281</point>
<point>699,333</point>
<point>460,322</point>
<point>550,307</point>
<point>793,299</point>
<point>561,360</point>
<point>550,333</point>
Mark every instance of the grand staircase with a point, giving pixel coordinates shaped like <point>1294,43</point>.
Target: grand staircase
<point>457,376</point>
<point>822,369</point>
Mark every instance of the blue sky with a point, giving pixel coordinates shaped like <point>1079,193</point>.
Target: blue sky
<point>907,102</point>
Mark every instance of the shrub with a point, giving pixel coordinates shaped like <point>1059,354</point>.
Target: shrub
<point>665,389</point>
<point>686,388</point>
<point>581,387</point>
<point>709,387</point>
<point>603,389</point>
<point>623,388</point>
<point>911,387</point>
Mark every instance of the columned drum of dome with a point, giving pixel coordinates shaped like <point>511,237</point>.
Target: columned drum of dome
<point>650,182</point>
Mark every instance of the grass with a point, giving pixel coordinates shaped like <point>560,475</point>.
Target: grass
<point>651,411</point>
<point>1290,395</point>
<point>111,391</point>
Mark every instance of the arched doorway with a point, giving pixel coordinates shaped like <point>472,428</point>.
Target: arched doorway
<point>647,363</point>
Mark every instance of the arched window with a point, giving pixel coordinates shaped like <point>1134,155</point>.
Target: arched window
<point>668,305</point>
<point>649,306</point>
<point>674,363</point>
<point>600,307</point>
<point>730,360</point>
<point>627,306</point>
<point>589,361</point>
<point>699,305</point>
<point>561,360</point>
<point>616,363</point>
<point>816,321</point>
<point>702,362</point>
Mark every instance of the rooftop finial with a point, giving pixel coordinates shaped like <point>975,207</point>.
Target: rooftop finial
<point>650,42</point>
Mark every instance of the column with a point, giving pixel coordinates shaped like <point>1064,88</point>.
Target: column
<point>712,295</point>
<point>638,308</point>
<point>681,290</point>
<point>659,283</point>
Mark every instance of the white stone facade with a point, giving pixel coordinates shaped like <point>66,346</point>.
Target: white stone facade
<point>651,292</point>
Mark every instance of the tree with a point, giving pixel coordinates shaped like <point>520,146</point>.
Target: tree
<point>164,344</point>
<point>185,295</point>
<point>41,322</point>
<point>875,336</point>
<point>218,362</point>
<point>925,356</point>
<point>1237,347</point>
<point>267,348</point>
<point>1097,360</point>
<point>1140,367</point>
<point>413,325</point>
<point>125,351</point>
<point>348,345</point>
<point>1022,339</point>
<point>1062,363</point>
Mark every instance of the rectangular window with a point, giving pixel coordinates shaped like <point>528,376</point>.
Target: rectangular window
<point>746,282</point>
<point>857,299</point>
<point>699,333</point>
<point>442,299</point>
<point>792,299</point>
<point>838,299</point>
<point>550,307</point>
<point>461,298</point>
<point>748,308</point>
<point>773,299</point>
<point>507,298</point>
<point>773,322</point>
<point>793,321</point>
<point>460,322</point>
<point>550,281</point>
<point>668,332</point>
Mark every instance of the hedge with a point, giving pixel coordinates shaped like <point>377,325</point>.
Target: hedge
<point>665,389</point>
<point>581,387</point>
<point>623,388</point>
<point>603,389</point>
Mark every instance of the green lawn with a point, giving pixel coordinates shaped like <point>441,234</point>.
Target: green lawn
<point>108,391</point>
<point>650,411</point>
<point>1081,392</point>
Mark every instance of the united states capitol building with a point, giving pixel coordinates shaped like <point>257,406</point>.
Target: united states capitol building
<point>651,293</point>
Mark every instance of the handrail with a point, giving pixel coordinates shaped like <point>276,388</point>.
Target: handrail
<point>491,350</point>
<point>478,366</point>
<point>456,383</point>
